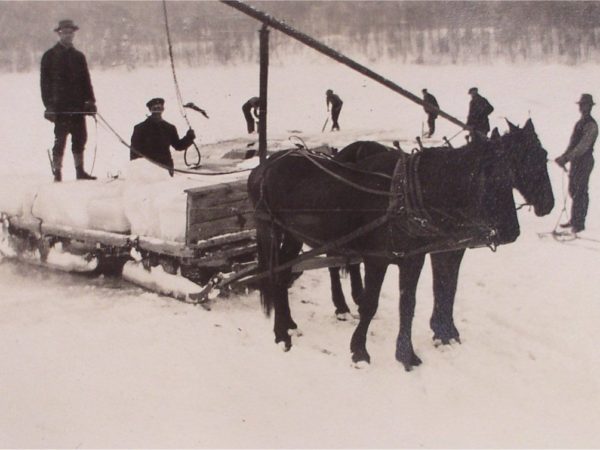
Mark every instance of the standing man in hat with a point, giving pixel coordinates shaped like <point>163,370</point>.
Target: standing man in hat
<point>479,110</point>
<point>580,154</point>
<point>431,108</point>
<point>251,110</point>
<point>336,107</point>
<point>152,138</point>
<point>68,96</point>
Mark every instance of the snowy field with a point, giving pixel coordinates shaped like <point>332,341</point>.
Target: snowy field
<point>100,363</point>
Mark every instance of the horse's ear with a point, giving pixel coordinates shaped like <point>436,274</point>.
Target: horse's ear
<point>511,126</point>
<point>529,126</point>
<point>495,134</point>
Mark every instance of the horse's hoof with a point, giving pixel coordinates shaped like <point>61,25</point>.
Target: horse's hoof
<point>437,341</point>
<point>294,332</point>
<point>361,357</point>
<point>284,346</point>
<point>343,317</point>
<point>416,361</point>
<point>361,365</point>
<point>409,361</point>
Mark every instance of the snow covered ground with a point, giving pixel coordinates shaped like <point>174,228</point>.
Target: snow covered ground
<point>90,362</point>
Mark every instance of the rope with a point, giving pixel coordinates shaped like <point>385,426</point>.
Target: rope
<point>340,178</point>
<point>459,131</point>
<point>177,90</point>
<point>564,202</point>
<point>95,145</point>
<point>188,172</point>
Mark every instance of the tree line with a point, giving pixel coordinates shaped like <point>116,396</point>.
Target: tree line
<point>132,33</point>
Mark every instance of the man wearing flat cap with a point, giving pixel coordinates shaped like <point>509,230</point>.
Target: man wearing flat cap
<point>152,138</point>
<point>579,154</point>
<point>68,96</point>
<point>479,110</point>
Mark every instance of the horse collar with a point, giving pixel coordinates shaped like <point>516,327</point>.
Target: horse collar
<point>406,206</point>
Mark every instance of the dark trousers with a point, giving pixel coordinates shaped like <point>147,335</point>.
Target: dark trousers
<point>249,118</point>
<point>335,114</point>
<point>579,177</point>
<point>64,125</point>
<point>431,123</point>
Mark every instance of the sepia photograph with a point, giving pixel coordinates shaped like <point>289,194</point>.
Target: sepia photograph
<point>299,224</point>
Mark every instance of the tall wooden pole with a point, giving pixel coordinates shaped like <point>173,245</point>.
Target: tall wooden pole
<point>328,51</point>
<point>264,79</point>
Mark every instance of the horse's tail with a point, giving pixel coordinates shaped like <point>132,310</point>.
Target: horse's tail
<point>266,248</point>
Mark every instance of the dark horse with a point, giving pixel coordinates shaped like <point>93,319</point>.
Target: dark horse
<point>391,208</point>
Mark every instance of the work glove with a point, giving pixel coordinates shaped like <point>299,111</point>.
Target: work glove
<point>190,134</point>
<point>50,115</point>
<point>89,107</point>
<point>561,161</point>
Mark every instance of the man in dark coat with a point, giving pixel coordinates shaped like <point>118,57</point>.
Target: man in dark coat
<point>68,96</point>
<point>579,154</point>
<point>431,108</point>
<point>251,110</point>
<point>479,110</point>
<point>336,107</point>
<point>152,138</point>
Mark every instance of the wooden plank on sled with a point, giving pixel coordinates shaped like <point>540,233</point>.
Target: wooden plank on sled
<point>171,248</point>
<point>181,250</point>
<point>206,230</point>
<point>224,257</point>
<point>246,235</point>
<point>227,208</point>
<point>225,205</point>
<point>91,237</point>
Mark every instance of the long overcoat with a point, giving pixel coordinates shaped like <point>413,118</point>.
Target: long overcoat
<point>65,80</point>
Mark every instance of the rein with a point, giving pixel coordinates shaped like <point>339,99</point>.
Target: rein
<point>188,172</point>
<point>313,160</point>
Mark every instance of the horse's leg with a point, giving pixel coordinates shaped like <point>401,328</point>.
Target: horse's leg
<point>374,273</point>
<point>337,295</point>
<point>268,241</point>
<point>445,267</point>
<point>284,324</point>
<point>410,270</point>
<point>355,282</point>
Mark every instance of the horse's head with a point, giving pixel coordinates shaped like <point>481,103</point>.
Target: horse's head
<point>527,160</point>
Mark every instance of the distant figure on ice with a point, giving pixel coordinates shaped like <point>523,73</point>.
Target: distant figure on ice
<point>251,110</point>
<point>431,108</point>
<point>68,96</point>
<point>580,154</point>
<point>153,137</point>
<point>336,103</point>
<point>479,110</point>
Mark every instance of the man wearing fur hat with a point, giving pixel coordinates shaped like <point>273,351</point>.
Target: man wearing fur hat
<point>579,154</point>
<point>152,138</point>
<point>68,96</point>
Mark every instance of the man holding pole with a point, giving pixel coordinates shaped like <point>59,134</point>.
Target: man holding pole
<point>579,154</point>
<point>251,111</point>
<point>336,103</point>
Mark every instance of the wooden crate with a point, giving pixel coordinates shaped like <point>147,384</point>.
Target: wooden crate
<point>217,210</point>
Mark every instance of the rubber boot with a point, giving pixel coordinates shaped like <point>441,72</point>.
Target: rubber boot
<point>57,167</point>
<point>79,172</point>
